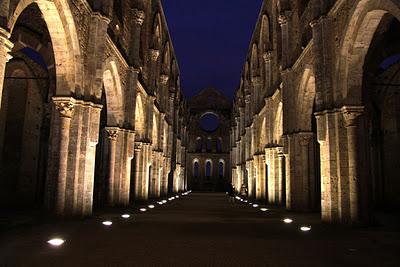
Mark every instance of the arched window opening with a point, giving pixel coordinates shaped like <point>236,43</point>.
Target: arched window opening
<point>199,145</point>
<point>209,145</point>
<point>196,170</point>
<point>219,145</point>
<point>221,169</point>
<point>208,169</point>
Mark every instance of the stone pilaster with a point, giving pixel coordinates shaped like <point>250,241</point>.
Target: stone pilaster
<point>138,17</point>
<point>268,71</point>
<point>284,20</point>
<point>154,55</point>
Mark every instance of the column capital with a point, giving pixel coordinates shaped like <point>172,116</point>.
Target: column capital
<point>5,43</point>
<point>351,114</point>
<point>138,16</point>
<point>164,79</point>
<point>280,150</point>
<point>284,17</point>
<point>267,56</point>
<point>65,106</point>
<point>256,80</point>
<point>305,138</point>
<point>317,21</point>
<point>112,133</point>
<point>154,54</point>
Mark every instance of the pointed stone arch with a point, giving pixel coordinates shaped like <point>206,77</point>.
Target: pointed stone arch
<point>265,38</point>
<point>140,116</point>
<point>64,36</point>
<point>114,94</point>
<point>361,28</point>
<point>157,32</point>
<point>305,101</point>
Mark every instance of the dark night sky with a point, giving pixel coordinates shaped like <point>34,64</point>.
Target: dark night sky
<point>211,40</point>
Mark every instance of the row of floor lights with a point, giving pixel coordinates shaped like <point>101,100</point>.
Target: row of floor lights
<point>303,228</point>
<point>57,242</point>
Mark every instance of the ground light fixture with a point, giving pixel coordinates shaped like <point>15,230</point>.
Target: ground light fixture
<point>107,223</point>
<point>305,228</point>
<point>56,242</point>
<point>264,209</point>
<point>160,202</point>
<point>164,201</point>
<point>287,220</point>
<point>143,209</point>
<point>238,198</point>
<point>255,205</point>
<point>125,216</point>
<point>151,206</point>
<point>176,196</point>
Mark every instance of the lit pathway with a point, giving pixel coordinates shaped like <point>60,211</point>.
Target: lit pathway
<point>200,230</point>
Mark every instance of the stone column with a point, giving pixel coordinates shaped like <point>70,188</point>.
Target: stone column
<point>308,178</point>
<point>268,71</point>
<point>283,21</point>
<point>65,107</point>
<point>281,175</point>
<point>112,134</point>
<point>154,55</point>
<point>5,48</point>
<point>134,53</point>
<point>163,97</point>
<point>351,115</point>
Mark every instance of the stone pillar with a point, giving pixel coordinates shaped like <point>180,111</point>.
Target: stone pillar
<point>143,161</point>
<point>281,175</point>
<point>154,55</point>
<point>260,179</point>
<point>134,53</point>
<point>351,116</point>
<point>307,172</point>
<point>112,134</point>
<point>283,21</point>
<point>5,48</point>
<point>268,71</point>
<point>164,97</point>
<point>65,107</point>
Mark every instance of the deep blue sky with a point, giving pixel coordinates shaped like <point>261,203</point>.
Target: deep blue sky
<point>211,39</point>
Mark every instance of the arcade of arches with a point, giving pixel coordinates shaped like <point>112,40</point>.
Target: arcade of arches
<point>92,112</point>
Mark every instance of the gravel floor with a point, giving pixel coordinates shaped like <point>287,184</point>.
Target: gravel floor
<point>200,230</point>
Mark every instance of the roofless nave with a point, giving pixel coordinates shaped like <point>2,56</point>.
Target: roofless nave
<point>92,113</point>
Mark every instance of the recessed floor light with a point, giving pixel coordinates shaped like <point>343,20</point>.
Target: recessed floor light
<point>255,205</point>
<point>125,216</point>
<point>305,228</point>
<point>143,209</point>
<point>151,206</point>
<point>56,242</point>
<point>164,201</point>
<point>287,220</point>
<point>107,223</point>
<point>264,209</point>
